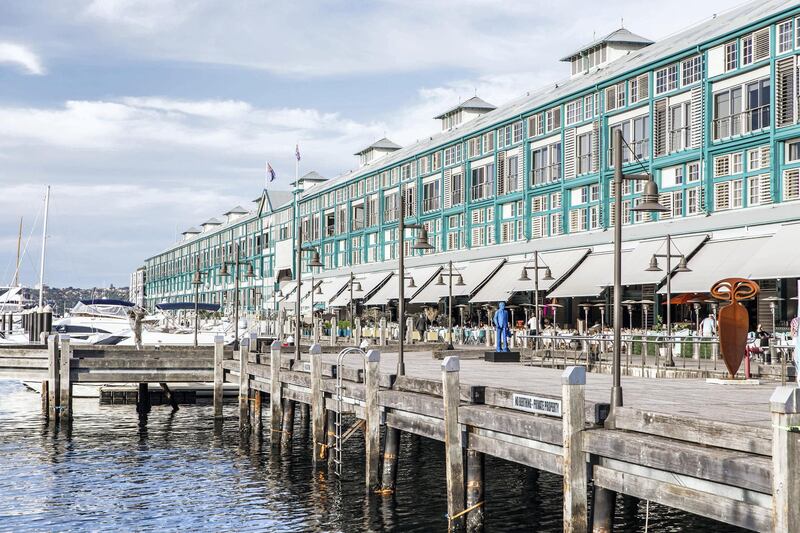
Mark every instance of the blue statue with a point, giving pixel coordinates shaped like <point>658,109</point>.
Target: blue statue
<point>502,331</point>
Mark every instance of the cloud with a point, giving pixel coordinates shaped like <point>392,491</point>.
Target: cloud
<point>21,56</point>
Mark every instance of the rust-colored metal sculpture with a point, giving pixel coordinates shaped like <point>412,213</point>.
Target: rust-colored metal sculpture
<point>733,319</point>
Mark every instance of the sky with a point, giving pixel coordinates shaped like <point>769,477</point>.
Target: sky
<point>147,117</point>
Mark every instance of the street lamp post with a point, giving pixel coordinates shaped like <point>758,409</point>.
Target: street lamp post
<point>680,268</point>
<point>197,281</point>
<point>649,204</point>
<point>420,244</point>
<point>236,263</point>
<point>353,286</point>
<point>315,262</point>
<point>548,276</point>
<point>460,283</point>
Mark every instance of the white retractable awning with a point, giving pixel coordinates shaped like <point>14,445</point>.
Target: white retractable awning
<point>778,257</point>
<point>634,267</point>
<point>593,275</point>
<point>473,274</point>
<point>716,260</point>
<point>369,282</point>
<point>506,282</point>
<point>390,290</point>
<point>330,288</point>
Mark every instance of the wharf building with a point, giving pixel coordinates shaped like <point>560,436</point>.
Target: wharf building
<point>712,112</point>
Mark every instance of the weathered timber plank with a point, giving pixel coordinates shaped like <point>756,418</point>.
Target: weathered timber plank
<point>505,398</point>
<point>171,376</point>
<point>539,459</point>
<point>730,467</point>
<point>296,395</point>
<point>23,352</point>
<point>431,428</point>
<point>160,363</point>
<point>23,362</point>
<point>526,425</point>
<point>686,499</point>
<point>701,431</point>
<point>411,402</point>
<point>31,374</point>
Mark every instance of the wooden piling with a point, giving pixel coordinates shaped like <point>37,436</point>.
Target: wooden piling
<point>65,381</point>
<point>391,453</point>
<point>603,503</point>
<point>256,423</point>
<point>244,386</point>
<point>173,402</point>
<point>317,404</point>
<point>372,416</point>
<point>454,458</point>
<point>143,399</point>
<point>219,374</point>
<point>573,381</point>
<point>53,375</point>
<point>785,407</point>
<point>331,436</point>
<point>275,407</point>
<point>474,490</point>
<point>288,422</point>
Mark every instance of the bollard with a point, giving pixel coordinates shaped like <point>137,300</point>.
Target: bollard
<point>391,452</point>
<point>53,366</point>
<point>65,381</point>
<point>219,374</point>
<point>785,406</point>
<point>288,422</point>
<point>372,419</point>
<point>316,335</point>
<point>357,331</point>
<point>382,332</point>
<point>318,411</point>
<point>454,458</point>
<point>275,409</point>
<point>573,381</point>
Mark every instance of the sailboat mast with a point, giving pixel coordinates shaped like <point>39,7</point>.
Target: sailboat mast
<point>44,247</point>
<point>19,241</point>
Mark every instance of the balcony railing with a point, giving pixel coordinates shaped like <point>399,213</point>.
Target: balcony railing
<point>483,190</point>
<point>430,204</point>
<point>356,224</point>
<point>545,175</point>
<point>640,149</point>
<point>584,163</point>
<point>679,139</point>
<point>390,215</point>
<point>741,123</point>
<point>330,230</point>
<point>458,196</point>
<point>510,184</point>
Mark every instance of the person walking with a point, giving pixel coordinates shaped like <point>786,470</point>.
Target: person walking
<point>421,325</point>
<point>708,327</point>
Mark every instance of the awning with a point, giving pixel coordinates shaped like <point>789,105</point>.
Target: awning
<point>389,291</point>
<point>506,282</point>
<point>330,289</point>
<point>474,274</point>
<point>634,267</point>
<point>778,257</point>
<point>591,277</point>
<point>717,260</point>
<point>369,282</point>
<point>284,252</point>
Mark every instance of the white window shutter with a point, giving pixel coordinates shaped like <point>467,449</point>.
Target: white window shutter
<point>537,227</point>
<point>785,90</point>
<point>644,86</point>
<point>574,220</point>
<point>448,188</point>
<point>520,170</point>
<point>791,184</point>
<point>569,153</point>
<point>722,165</point>
<point>595,146</point>
<point>761,44</point>
<point>765,157</point>
<point>501,166</point>
<point>665,199</point>
<point>765,189</point>
<point>722,196</point>
<point>696,120</point>
<point>660,128</point>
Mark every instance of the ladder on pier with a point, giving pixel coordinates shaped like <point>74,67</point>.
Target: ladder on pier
<point>340,435</point>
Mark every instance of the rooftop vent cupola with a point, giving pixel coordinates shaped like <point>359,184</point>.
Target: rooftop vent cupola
<point>210,224</point>
<point>601,51</point>
<point>189,233</point>
<point>376,150</point>
<point>236,212</point>
<point>463,112</point>
<point>308,180</point>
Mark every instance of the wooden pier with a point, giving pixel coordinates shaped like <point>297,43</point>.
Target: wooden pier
<point>667,445</point>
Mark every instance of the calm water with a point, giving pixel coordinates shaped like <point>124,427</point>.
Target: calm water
<point>175,473</point>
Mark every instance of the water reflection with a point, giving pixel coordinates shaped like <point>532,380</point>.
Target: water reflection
<point>184,470</point>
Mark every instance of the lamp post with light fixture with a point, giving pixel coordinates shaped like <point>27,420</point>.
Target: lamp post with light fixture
<point>315,262</point>
<point>353,286</point>
<point>197,280</point>
<point>649,204</point>
<point>548,276</point>
<point>460,283</point>
<point>420,244</point>
<point>668,255</point>
<point>236,263</point>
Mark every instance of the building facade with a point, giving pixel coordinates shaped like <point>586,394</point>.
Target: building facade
<point>713,113</point>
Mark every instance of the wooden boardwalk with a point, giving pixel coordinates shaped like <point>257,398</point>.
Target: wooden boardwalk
<point>731,453</point>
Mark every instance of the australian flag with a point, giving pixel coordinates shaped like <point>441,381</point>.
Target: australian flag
<point>270,173</point>
<point>297,151</point>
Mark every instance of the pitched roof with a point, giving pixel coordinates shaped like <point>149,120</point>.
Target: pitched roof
<point>191,230</point>
<point>311,176</point>
<point>620,36</point>
<point>211,222</point>
<point>382,144</point>
<point>472,103</point>
<point>684,41</point>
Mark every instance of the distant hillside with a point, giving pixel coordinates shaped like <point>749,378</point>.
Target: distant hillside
<point>67,297</point>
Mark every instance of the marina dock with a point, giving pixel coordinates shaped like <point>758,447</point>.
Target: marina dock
<point>726,452</point>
